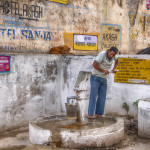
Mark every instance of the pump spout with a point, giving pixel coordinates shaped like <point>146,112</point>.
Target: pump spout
<point>76,105</point>
<point>82,93</point>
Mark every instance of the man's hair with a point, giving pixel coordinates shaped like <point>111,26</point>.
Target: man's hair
<point>114,49</point>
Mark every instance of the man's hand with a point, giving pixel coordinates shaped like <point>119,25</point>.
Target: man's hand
<point>115,71</point>
<point>106,72</point>
<point>115,66</point>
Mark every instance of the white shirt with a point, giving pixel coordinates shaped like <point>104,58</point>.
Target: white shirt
<point>104,62</point>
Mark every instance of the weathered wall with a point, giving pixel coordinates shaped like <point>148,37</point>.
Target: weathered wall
<point>117,93</point>
<point>36,26</point>
<point>30,90</point>
<point>39,85</point>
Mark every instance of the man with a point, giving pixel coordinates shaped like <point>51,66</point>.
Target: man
<point>101,66</point>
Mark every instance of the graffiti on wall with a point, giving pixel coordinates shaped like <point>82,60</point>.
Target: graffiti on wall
<point>16,38</point>
<point>60,1</point>
<point>111,36</point>
<point>28,34</point>
<point>24,11</point>
<point>85,42</point>
<point>133,70</point>
<point>19,33</point>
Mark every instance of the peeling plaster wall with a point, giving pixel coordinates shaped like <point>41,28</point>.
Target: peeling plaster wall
<point>45,24</point>
<point>71,68</point>
<point>30,90</point>
<point>139,28</point>
<point>39,85</point>
<point>117,93</point>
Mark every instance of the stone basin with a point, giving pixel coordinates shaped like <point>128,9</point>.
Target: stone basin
<point>61,132</point>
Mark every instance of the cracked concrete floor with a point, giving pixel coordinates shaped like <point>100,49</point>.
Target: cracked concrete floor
<point>19,140</point>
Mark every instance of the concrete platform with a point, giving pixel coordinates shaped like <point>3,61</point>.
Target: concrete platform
<point>74,138</point>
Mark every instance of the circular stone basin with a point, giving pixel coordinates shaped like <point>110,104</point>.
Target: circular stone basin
<point>57,130</point>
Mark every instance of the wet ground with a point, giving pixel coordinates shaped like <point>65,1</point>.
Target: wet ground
<point>69,124</point>
<point>19,140</point>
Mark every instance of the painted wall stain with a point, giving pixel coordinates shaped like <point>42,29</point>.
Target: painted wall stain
<point>145,113</point>
<point>120,3</point>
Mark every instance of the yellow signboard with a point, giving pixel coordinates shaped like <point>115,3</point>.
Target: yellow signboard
<point>60,1</point>
<point>85,42</point>
<point>133,70</point>
<point>111,36</point>
<point>69,41</point>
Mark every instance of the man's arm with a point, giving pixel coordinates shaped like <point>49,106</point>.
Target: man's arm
<point>96,66</point>
<point>115,66</point>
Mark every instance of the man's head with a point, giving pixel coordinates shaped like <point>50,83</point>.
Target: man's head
<point>112,52</point>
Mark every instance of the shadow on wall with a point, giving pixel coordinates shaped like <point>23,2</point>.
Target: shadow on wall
<point>144,51</point>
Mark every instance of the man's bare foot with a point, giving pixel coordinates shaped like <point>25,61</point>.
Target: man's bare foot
<point>98,116</point>
<point>91,117</point>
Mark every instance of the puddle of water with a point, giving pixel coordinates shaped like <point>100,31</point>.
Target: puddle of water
<point>57,124</point>
<point>71,124</point>
<point>90,124</point>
